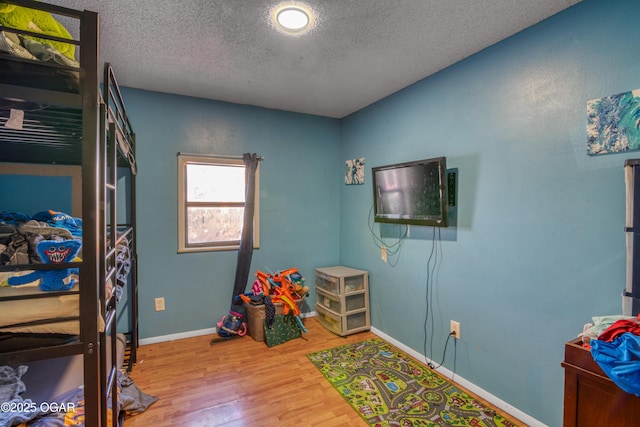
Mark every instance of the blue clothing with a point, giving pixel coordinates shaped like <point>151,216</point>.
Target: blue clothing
<point>61,219</point>
<point>620,360</point>
<point>13,218</point>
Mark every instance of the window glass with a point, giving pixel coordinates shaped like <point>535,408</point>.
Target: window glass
<point>211,201</point>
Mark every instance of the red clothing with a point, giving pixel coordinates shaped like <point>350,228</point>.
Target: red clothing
<point>619,327</point>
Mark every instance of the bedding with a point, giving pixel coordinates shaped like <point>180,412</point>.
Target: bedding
<point>20,234</point>
<point>38,22</point>
<point>19,238</point>
<point>67,409</point>
<point>29,51</point>
<point>62,76</point>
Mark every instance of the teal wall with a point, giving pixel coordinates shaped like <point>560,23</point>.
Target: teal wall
<point>19,190</point>
<point>539,246</point>
<point>299,201</point>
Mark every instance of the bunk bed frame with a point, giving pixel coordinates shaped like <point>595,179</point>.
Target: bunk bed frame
<point>91,129</point>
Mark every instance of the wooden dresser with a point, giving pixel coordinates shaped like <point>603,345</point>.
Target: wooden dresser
<point>590,397</point>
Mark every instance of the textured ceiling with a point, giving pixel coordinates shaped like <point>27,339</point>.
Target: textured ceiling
<point>358,52</point>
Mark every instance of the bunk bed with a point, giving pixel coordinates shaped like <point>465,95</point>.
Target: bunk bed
<point>58,108</point>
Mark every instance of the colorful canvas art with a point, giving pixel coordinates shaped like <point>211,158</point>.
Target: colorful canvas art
<point>613,123</point>
<point>355,171</point>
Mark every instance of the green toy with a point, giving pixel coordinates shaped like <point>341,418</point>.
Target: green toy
<point>37,21</point>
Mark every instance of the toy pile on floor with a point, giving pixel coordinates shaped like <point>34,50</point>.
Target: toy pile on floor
<point>286,287</point>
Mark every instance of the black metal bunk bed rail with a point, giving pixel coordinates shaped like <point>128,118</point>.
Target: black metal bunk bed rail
<point>42,36</point>
<point>39,295</point>
<point>92,129</point>
<point>121,145</point>
<point>117,114</point>
<point>52,132</point>
<point>53,141</point>
<point>118,149</point>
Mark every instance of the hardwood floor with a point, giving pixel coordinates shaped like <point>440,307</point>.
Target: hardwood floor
<point>241,383</point>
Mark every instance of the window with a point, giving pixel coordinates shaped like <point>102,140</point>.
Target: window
<point>211,203</point>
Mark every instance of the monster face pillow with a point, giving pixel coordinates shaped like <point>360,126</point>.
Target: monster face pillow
<point>52,252</point>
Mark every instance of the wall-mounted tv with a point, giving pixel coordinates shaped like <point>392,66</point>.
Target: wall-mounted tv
<point>411,193</point>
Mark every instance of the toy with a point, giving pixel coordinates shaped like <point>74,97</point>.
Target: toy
<point>52,252</point>
<point>256,288</point>
<point>37,21</point>
<point>231,325</point>
<point>251,297</point>
<point>280,287</point>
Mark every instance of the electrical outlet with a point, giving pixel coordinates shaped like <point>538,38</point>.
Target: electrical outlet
<point>455,329</point>
<point>159,304</point>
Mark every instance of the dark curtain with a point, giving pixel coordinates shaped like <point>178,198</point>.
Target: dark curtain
<point>245,251</point>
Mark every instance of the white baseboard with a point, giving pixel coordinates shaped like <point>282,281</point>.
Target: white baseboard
<point>309,314</point>
<point>498,403</point>
<point>178,336</point>
<point>191,334</point>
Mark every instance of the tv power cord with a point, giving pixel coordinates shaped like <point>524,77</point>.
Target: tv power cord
<point>430,364</point>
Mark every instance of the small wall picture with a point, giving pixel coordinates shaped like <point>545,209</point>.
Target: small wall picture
<point>613,123</point>
<point>355,171</point>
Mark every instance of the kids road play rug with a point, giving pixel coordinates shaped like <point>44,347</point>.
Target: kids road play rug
<point>389,388</point>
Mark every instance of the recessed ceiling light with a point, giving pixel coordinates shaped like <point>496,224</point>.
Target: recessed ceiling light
<point>292,17</point>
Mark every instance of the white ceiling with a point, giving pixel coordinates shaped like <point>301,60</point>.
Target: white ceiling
<point>358,52</point>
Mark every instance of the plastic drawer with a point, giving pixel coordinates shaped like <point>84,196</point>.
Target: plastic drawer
<point>329,320</point>
<point>356,320</point>
<point>328,300</point>
<point>328,283</point>
<point>355,302</point>
<point>355,283</point>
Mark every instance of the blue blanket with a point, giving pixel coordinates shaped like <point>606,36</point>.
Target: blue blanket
<point>620,360</point>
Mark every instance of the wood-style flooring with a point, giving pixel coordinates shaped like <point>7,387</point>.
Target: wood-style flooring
<point>242,383</point>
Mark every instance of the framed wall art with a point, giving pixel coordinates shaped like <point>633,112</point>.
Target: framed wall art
<point>355,171</point>
<point>613,123</point>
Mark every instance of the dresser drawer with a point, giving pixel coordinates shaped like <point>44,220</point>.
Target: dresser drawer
<point>357,321</point>
<point>355,283</point>
<point>328,283</point>
<point>328,300</point>
<point>329,320</point>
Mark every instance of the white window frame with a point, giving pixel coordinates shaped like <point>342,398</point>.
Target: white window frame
<point>183,161</point>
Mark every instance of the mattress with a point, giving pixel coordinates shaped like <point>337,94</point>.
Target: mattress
<point>29,315</point>
<point>44,312</point>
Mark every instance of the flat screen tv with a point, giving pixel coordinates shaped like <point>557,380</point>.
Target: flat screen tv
<point>411,193</point>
